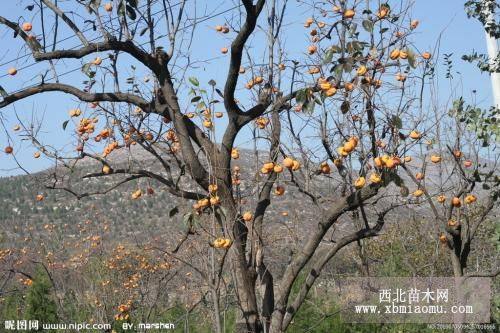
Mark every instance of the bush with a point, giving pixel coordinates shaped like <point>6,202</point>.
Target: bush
<point>40,304</point>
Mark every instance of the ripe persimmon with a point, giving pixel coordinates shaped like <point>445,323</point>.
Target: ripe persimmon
<point>288,162</point>
<point>361,70</point>
<point>278,168</point>
<point>212,188</point>
<point>235,154</point>
<point>418,193</point>
<point>325,168</point>
<point>435,158</point>
<point>27,26</point>
<point>349,13</point>
<point>215,200</point>
<point>415,135</point>
<point>394,54</point>
<point>456,202</point>
<point>106,169</point>
<point>137,194</point>
<point>247,216</point>
<point>442,238</point>
<point>400,77</point>
<point>470,198</point>
<point>308,22</point>
<point>330,92</point>
<point>279,190</point>
<point>312,49</point>
<point>383,12</point>
<point>375,178</point>
<point>108,7</point>
<point>360,183</point>
<point>207,123</point>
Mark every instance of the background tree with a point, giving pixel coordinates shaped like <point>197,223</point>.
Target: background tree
<point>40,304</point>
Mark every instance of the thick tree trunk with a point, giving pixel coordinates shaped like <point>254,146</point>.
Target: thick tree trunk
<point>247,317</point>
<point>458,272</point>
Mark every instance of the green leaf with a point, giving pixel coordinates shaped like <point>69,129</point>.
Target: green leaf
<point>121,9</point>
<point>187,220</point>
<point>411,58</point>
<point>308,107</point>
<point>397,122</point>
<point>194,81</point>
<point>301,96</point>
<point>195,99</point>
<point>345,106</point>
<point>477,177</point>
<point>86,68</point>
<point>368,25</point>
<point>131,13</point>
<point>336,49</point>
<point>337,69</point>
<point>65,124</point>
<point>173,212</point>
<point>329,56</point>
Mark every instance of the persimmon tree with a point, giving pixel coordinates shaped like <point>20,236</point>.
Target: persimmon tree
<point>467,189</point>
<point>346,110</point>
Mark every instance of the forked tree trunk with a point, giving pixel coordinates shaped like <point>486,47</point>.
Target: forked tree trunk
<point>247,315</point>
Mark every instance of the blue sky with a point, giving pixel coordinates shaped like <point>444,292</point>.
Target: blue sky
<point>445,19</point>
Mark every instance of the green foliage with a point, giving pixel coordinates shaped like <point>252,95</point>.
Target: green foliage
<point>320,315</point>
<point>40,304</point>
<point>483,62</point>
<point>481,9</point>
<point>12,306</point>
<point>483,122</point>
